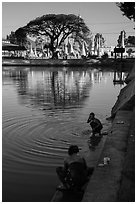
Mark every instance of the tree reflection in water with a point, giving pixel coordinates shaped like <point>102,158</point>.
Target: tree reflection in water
<point>52,89</point>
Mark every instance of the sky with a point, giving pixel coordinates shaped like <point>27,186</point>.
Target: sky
<point>101,17</point>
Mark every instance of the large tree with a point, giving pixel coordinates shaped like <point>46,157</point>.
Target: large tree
<point>12,38</point>
<point>128,9</point>
<point>20,36</point>
<point>57,28</point>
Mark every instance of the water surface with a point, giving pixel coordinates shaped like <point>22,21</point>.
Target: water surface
<point>44,111</point>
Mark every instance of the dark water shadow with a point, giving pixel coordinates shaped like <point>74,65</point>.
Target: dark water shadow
<point>94,141</point>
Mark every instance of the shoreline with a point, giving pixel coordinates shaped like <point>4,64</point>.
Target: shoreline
<point>118,176</point>
<point>110,62</point>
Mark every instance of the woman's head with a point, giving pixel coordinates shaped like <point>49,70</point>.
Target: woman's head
<point>73,149</point>
<point>92,114</point>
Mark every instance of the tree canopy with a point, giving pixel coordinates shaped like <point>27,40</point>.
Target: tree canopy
<point>128,9</point>
<point>131,40</point>
<point>20,36</point>
<point>57,27</point>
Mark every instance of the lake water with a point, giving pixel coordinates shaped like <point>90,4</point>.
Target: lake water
<point>44,110</point>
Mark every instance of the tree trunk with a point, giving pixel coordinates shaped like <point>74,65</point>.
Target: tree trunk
<point>54,53</point>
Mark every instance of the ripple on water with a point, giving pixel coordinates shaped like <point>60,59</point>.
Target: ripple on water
<point>39,140</point>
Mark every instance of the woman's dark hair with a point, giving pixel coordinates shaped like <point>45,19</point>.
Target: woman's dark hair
<point>92,114</point>
<point>73,149</point>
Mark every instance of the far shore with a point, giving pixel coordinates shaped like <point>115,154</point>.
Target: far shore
<point>98,62</point>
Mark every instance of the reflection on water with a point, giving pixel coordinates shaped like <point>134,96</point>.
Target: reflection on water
<point>94,141</point>
<point>44,111</point>
<point>51,89</point>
